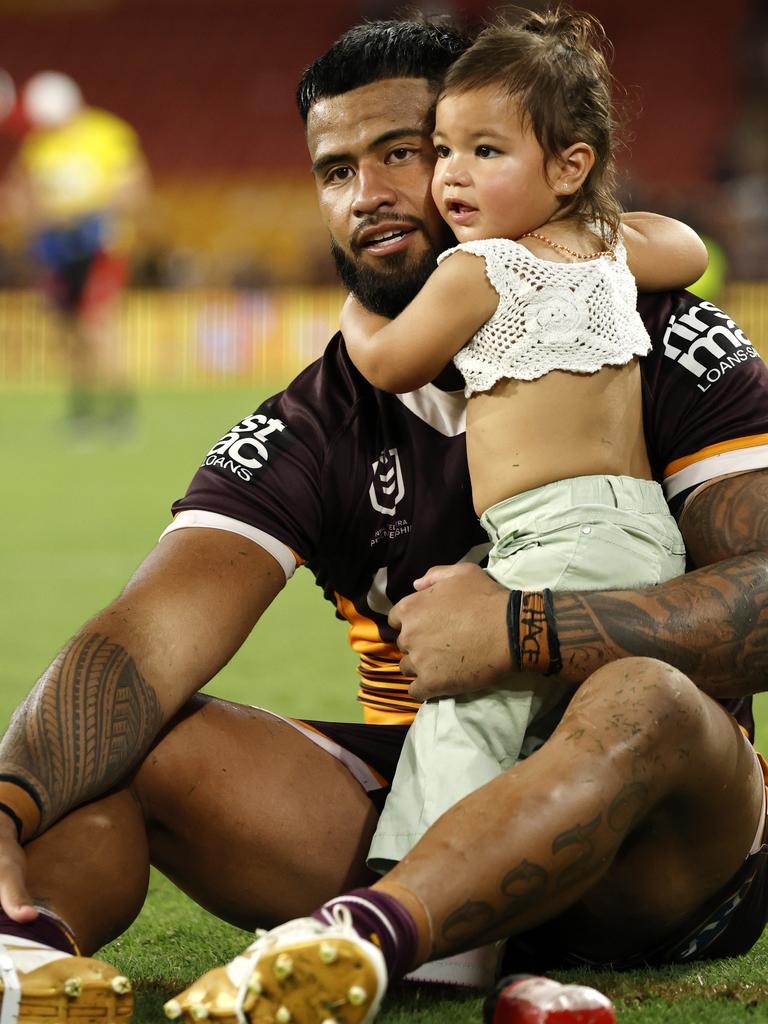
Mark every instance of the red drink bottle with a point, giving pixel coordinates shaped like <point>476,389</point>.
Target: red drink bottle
<point>525,999</point>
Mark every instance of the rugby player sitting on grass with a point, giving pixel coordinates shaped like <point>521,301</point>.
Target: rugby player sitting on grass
<point>115,760</point>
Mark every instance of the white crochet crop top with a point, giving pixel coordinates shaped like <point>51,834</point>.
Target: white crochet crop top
<point>551,316</point>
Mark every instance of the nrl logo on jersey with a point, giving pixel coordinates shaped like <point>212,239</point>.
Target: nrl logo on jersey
<point>387,489</point>
<point>707,343</point>
<point>247,446</point>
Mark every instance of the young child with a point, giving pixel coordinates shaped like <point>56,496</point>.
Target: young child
<point>541,288</point>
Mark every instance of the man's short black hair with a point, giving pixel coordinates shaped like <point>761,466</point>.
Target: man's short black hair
<point>412,48</point>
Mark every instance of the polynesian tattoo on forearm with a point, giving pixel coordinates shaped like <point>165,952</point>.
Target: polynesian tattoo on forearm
<point>577,855</point>
<point>86,723</point>
<point>712,623</point>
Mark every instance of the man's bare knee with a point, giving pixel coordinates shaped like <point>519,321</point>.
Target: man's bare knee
<point>642,715</point>
<point>627,692</point>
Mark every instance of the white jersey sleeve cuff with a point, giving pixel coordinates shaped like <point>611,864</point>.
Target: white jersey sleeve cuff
<point>214,521</point>
<point>740,460</point>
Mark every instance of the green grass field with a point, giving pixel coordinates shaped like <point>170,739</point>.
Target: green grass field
<point>77,518</point>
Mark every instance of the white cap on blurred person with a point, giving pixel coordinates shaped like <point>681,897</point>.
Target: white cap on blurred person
<point>50,99</point>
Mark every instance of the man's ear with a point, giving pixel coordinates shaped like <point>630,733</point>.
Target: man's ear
<point>569,170</point>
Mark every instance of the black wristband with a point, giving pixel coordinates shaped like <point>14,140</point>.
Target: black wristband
<point>513,627</point>
<point>14,818</point>
<point>555,658</point>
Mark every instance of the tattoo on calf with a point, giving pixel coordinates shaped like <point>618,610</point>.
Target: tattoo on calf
<point>529,884</point>
<point>627,807</point>
<point>580,837</point>
<point>522,887</point>
<point>88,721</point>
<point>471,919</point>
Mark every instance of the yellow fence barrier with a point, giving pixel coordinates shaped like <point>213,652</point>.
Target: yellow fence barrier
<point>196,338</point>
<point>180,338</point>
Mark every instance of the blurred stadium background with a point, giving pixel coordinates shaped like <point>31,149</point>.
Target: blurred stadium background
<point>232,292</point>
<point>231,281</point>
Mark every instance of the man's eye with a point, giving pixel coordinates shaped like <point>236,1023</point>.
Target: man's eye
<point>442,152</point>
<point>338,174</point>
<point>401,153</point>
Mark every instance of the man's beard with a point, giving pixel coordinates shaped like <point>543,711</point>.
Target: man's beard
<point>386,291</point>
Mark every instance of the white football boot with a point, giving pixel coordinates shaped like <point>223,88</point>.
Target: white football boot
<point>41,985</point>
<point>302,972</point>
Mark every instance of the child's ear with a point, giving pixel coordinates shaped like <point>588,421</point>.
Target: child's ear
<point>570,169</point>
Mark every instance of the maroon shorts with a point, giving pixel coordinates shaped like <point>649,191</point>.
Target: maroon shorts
<point>378,745</point>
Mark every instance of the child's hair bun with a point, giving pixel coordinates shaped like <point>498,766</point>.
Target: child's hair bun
<point>576,30</point>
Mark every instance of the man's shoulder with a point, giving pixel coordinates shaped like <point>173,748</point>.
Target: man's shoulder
<point>705,393</point>
<point>695,345</point>
<point>332,372</point>
<point>328,393</point>
<point>331,391</point>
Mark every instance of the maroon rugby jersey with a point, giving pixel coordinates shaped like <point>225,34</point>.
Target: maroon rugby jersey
<point>370,489</point>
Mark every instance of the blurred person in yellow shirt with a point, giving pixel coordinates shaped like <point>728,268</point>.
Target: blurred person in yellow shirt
<point>76,187</point>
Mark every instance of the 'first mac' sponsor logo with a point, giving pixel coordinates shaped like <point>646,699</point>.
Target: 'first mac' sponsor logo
<point>707,343</point>
<point>248,446</point>
<point>387,489</point>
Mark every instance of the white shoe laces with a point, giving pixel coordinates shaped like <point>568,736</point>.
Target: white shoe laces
<point>341,926</point>
<point>11,988</point>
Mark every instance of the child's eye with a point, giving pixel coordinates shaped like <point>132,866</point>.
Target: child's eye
<point>485,151</point>
<point>442,152</point>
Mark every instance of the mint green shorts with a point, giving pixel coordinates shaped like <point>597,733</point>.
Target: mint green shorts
<point>588,533</point>
<point>585,533</point>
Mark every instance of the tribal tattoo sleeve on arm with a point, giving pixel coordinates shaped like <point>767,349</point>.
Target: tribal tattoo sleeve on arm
<point>86,723</point>
<point>711,623</point>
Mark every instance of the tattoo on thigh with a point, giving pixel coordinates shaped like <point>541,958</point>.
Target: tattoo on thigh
<point>627,806</point>
<point>88,721</point>
<point>580,838</point>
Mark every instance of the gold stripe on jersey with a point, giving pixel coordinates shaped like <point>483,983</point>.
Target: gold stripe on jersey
<point>364,636</point>
<point>376,716</point>
<point>735,444</point>
<point>383,688</point>
<point>297,556</point>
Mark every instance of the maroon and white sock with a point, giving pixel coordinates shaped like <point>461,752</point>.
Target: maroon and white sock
<point>47,929</point>
<point>381,919</point>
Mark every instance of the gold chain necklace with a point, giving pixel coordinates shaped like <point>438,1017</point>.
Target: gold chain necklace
<point>566,250</point>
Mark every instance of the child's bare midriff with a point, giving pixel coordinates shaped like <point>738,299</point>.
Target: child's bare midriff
<point>522,433</point>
